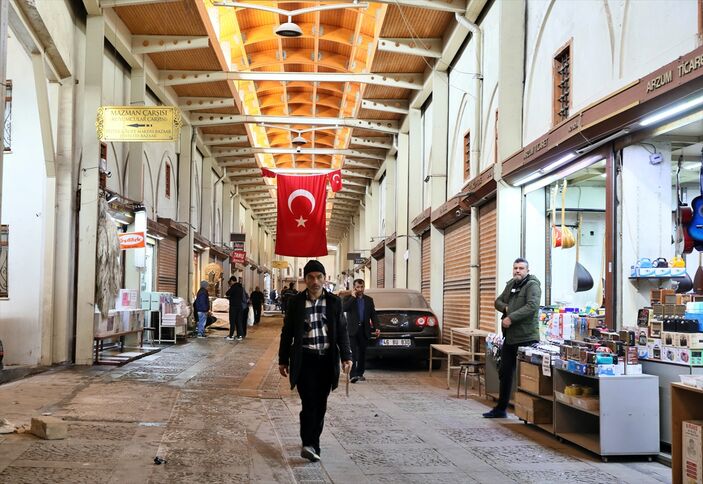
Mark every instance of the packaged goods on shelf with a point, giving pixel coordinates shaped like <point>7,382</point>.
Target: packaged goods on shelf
<point>692,447</point>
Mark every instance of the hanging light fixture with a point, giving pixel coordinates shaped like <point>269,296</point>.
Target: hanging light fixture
<point>289,29</point>
<point>299,140</point>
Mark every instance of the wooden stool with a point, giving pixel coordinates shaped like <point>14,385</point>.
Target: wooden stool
<point>473,369</point>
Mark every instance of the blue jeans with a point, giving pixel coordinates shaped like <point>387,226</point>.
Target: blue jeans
<point>202,319</point>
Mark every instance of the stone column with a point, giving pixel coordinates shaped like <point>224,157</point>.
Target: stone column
<point>88,179</point>
<point>186,214</point>
<point>414,142</point>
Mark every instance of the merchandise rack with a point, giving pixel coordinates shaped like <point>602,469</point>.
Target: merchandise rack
<point>626,423</point>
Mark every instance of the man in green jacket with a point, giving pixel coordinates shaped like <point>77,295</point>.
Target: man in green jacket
<point>519,308</point>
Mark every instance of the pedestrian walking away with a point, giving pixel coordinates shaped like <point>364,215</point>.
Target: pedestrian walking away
<point>257,302</point>
<point>362,322</point>
<point>236,296</point>
<point>314,339</point>
<point>519,308</point>
<point>201,306</point>
<point>286,294</point>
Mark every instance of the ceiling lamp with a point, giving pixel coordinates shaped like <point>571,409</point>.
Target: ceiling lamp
<point>289,29</point>
<point>299,140</point>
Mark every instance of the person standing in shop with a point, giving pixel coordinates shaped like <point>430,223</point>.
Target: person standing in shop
<point>257,302</point>
<point>519,308</point>
<point>201,306</point>
<point>362,321</point>
<point>314,339</point>
<point>236,296</point>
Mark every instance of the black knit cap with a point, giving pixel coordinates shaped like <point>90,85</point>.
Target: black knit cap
<point>313,266</point>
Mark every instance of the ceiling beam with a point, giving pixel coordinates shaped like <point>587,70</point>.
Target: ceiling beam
<point>419,47</point>
<point>351,164</point>
<point>127,3</point>
<point>385,143</point>
<point>396,80</point>
<point>241,162</point>
<point>443,5</point>
<point>192,103</point>
<point>218,119</point>
<point>293,151</point>
<point>254,189</point>
<point>244,172</point>
<point>214,140</point>
<point>357,174</point>
<point>399,106</point>
<point>150,44</point>
<point>245,181</point>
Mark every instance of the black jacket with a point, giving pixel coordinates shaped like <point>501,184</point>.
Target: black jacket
<point>237,297</point>
<point>290,351</point>
<point>368,320</point>
<point>257,298</point>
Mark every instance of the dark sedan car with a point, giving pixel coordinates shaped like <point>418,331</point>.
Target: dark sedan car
<point>408,325</point>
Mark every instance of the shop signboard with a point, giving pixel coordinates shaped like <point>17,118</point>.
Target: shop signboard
<point>238,256</point>
<point>132,240</point>
<point>138,123</point>
<point>360,260</point>
<point>280,264</point>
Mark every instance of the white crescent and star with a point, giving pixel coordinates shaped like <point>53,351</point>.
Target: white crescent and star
<point>338,178</point>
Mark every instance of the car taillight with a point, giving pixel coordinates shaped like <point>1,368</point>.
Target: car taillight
<point>421,321</point>
<point>431,321</point>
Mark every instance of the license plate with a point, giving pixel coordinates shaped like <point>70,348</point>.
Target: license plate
<point>395,342</point>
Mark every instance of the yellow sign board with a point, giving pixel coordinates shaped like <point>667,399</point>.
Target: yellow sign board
<point>279,264</point>
<point>138,123</point>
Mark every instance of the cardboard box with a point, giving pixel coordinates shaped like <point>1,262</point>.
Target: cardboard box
<point>532,380</point>
<point>692,451</point>
<point>696,357</point>
<point>695,341</point>
<point>669,339</point>
<point>655,329</point>
<point>533,409</point>
<point>669,353</point>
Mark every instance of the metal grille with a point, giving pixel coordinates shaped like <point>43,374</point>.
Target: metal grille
<point>467,155</point>
<point>4,239</point>
<point>7,131</point>
<point>562,88</point>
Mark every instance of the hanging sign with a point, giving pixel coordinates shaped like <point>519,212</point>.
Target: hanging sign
<point>238,256</point>
<point>279,264</point>
<point>138,123</point>
<point>132,240</point>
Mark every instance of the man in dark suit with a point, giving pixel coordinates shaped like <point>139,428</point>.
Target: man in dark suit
<point>362,321</point>
<point>313,341</point>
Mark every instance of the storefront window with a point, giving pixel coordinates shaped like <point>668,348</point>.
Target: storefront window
<point>147,275</point>
<point>565,240</point>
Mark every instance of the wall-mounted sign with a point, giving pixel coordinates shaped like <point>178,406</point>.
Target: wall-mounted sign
<point>132,240</point>
<point>361,260</point>
<point>138,123</point>
<point>238,257</point>
<point>353,255</point>
<point>279,264</point>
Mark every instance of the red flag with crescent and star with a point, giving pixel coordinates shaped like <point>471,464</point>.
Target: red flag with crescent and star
<point>335,180</point>
<point>300,225</point>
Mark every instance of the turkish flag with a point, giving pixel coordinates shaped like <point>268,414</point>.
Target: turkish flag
<point>335,180</point>
<point>268,173</point>
<point>300,225</point>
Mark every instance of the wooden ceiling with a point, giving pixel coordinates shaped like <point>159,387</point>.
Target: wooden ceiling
<point>344,40</point>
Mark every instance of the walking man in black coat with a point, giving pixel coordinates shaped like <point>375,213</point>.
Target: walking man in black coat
<point>257,301</point>
<point>362,322</point>
<point>313,341</point>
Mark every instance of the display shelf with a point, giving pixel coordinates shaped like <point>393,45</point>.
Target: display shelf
<point>627,422</point>
<point>686,404</point>
<point>546,427</point>
<point>634,278</point>
<point>580,409</point>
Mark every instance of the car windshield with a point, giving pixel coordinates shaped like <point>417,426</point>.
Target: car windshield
<point>397,299</point>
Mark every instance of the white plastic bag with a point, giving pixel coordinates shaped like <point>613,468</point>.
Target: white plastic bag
<point>250,317</point>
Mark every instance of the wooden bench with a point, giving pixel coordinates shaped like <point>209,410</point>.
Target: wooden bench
<point>98,342</point>
<point>448,351</point>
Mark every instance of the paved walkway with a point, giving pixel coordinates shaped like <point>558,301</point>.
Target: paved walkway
<point>218,412</point>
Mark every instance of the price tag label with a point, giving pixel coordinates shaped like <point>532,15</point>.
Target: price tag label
<point>546,366</point>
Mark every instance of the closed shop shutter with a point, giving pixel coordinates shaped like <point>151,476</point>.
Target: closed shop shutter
<point>487,261</point>
<point>381,272</point>
<point>457,278</point>
<point>425,281</point>
<point>395,272</point>
<point>167,255</point>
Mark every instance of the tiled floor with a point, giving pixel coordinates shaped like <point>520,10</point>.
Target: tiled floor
<point>218,411</point>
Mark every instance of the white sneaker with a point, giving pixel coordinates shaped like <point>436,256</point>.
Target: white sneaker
<point>309,453</point>
<point>229,338</point>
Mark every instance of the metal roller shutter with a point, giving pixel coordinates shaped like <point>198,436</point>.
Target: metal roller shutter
<point>395,272</point>
<point>487,261</point>
<point>167,255</point>
<point>457,278</point>
<point>426,267</point>
<point>381,272</point>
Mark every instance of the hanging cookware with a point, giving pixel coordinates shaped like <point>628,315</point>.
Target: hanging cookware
<point>556,231</point>
<point>567,238</point>
<point>698,278</point>
<point>583,281</point>
<point>683,283</point>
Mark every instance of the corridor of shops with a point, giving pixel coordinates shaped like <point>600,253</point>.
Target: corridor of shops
<point>219,412</point>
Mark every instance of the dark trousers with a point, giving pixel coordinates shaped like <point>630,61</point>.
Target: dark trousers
<point>506,372</point>
<point>358,346</point>
<point>236,318</point>
<point>314,386</point>
<point>257,313</point>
